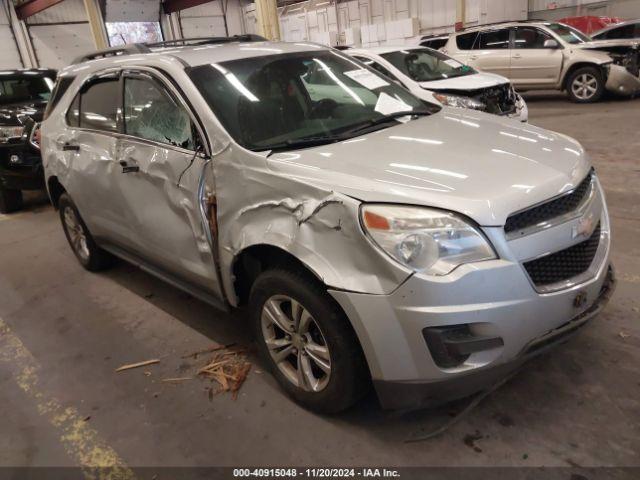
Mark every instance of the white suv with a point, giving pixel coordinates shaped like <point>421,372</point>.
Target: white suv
<point>372,235</point>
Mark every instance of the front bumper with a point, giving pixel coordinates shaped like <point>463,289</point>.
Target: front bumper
<point>398,395</point>
<point>622,82</point>
<point>493,299</point>
<point>21,167</point>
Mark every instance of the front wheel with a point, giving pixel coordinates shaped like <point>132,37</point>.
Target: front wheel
<point>307,341</point>
<point>585,85</point>
<point>90,256</point>
<point>10,200</point>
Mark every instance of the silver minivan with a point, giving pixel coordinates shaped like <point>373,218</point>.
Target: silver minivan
<point>373,237</point>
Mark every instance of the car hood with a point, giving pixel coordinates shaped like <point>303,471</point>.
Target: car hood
<point>20,113</point>
<point>477,164</point>
<point>466,83</point>
<point>603,44</point>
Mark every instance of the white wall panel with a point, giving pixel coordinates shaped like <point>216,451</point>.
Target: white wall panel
<point>206,20</point>
<point>132,10</point>
<point>57,45</point>
<point>67,11</point>
<point>9,55</point>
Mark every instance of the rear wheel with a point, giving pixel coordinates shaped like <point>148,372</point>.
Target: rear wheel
<point>90,256</point>
<point>307,341</point>
<point>10,200</point>
<point>585,85</point>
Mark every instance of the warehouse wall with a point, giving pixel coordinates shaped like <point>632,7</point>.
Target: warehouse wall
<point>376,22</point>
<point>569,8</point>
<point>60,33</point>
<point>207,20</point>
<point>9,54</point>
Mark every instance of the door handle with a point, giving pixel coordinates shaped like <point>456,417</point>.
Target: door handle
<point>67,147</point>
<point>126,168</point>
<point>517,55</point>
<point>473,57</point>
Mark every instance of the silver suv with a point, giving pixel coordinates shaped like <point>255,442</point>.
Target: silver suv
<point>538,55</point>
<point>374,237</point>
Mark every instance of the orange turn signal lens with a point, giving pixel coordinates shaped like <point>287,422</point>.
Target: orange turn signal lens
<point>375,221</point>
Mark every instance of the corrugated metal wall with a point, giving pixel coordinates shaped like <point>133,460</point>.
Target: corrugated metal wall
<point>60,33</point>
<point>9,55</point>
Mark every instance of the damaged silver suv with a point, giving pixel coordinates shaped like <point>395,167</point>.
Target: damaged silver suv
<point>375,238</point>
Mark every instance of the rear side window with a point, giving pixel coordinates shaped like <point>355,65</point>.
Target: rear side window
<point>494,40</point>
<point>466,40</point>
<point>436,44</point>
<point>99,105</point>
<point>73,114</point>
<point>62,85</point>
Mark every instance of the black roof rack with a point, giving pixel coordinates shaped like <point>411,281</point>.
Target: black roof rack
<point>502,22</point>
<point>342,47</point>
<point>112,52</point>
<point>435,35</point>
<point>183,42</point>
<point>134,48</point>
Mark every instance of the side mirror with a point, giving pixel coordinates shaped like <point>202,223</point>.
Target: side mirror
<point>550,43</point>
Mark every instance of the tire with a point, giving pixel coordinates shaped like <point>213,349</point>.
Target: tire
<point>90,256</point>
<point>585,85</point>
<point>348,378</point>
<point>10,200</point>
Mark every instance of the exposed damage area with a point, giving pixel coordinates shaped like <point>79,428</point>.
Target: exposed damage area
<point>316,225</point>
<point>624,74</point>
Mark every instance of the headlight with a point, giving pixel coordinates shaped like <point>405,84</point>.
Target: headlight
<point>7,133</point>
<point>34,137</point>
<point>425,240</point>
<point>459,102</point>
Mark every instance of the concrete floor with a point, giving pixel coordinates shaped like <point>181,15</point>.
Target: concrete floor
<point>64,331</point>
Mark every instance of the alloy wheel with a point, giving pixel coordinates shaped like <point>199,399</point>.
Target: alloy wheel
<point>296,343</point>
<point>584,86</point>
<point>76,233</point>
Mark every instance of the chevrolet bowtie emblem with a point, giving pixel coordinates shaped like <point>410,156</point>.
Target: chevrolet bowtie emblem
<point>584,228</point>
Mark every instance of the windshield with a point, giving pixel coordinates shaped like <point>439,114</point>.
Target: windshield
<point>568,34</point>
<point>424,65</point>
<point>265,102</point>
<point>21,88</point>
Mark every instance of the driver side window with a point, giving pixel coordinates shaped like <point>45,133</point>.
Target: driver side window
<point>152,114</point>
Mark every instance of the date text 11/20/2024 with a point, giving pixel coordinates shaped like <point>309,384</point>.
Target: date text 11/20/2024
<point>316,472</point>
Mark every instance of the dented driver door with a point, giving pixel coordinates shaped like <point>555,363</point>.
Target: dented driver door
<point>162,166</point>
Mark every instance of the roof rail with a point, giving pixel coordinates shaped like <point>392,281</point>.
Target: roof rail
<point>112,52</point>
<point>134,48</point>
<point>183,42</point>
<point>342,47</point>
<point>502,22</point>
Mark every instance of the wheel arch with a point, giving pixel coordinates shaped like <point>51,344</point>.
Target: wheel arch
<point>55,189</point>
<point>577,66</point>
<point>255,259</point>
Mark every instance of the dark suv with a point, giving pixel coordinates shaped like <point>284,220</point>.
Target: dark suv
<point>23,98</point>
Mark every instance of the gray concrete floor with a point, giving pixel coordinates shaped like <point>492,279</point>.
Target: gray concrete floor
<point>63,331</point>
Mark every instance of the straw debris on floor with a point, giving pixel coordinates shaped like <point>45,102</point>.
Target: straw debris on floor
<point>229,369</point>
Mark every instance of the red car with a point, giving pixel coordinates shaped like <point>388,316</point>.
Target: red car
<point>589,24</point>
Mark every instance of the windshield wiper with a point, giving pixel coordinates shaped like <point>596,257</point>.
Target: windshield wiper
<point>385,119</point>
<point>304,142</point>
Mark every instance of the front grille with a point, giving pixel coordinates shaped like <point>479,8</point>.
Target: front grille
<point>549,210</point>
<point>565,264</point>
